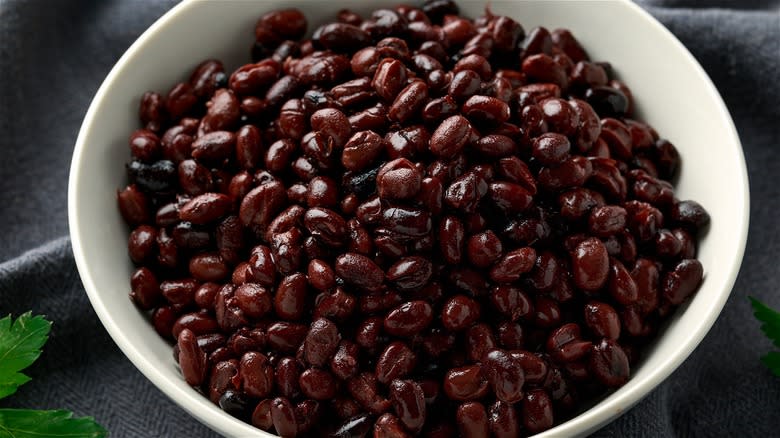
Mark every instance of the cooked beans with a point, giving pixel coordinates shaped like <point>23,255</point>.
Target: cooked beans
<point>413,223</point>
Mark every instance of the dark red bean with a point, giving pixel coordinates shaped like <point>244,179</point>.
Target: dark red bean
<point>560,116</point>
<point>290,298</point>
<point>326,225</point>
<point>465,383</point>
<point>261,268</point>
<point>483,249</point>
<point>337,306</point>
<point>409,404</point>
<point>333,123</point>
<point>257,374</point>
<point>621,285</point>
<point>142,244</point>
<point>206,294</point>
<point>537,411</point>
<point>682,281</point>
<point>261,416</point>
<point>486,110</point>
<point>602,320</point>
<point>398,179</point>
<point>459,313</point>
<point>180,100</point>
<point>509,197</point>
<point>496,146</point>
<point>318,384</point>
<point>410,273</point>
<point>205,208</point>
<point>285,221</point>
<point>396,362</point>
<point>464,84</point>
<point>321,343</point>
<point>452,239</point>
<point>548,313</point>
<point>361,150</point>
<point>564,344</point>
<point>261,204</point>
<point>253,79</point>
<point>286,375</point>
<point>479,341</point>
<point>505,375</point>
<point>208,267</point>
<point>388,426</point>
<point>450,137</point>
<point>607,101</point>
<point>472,420</point>
<point>285,336</point>
<point>341,37</point>
<point>543,68</point>
<point>605,221</point>
<point>408,222</point>
<point>363,388</point>
<point>408,102</point>
<point>646,276</point>
<point>200,323</point>
<point>283,417</point>
<point>516,171</point>
<point>513,264</point>
<point>438,109</point>
<point>151,111</point>
<point>551,148</point>
<point>320,68</point>
<point>573,172</point>
<point>133,205</point>
<point>466,191</point>
<point>320,275</point>
<point>249,151</point>
<point>344,363</point>
<point>359,270</point>
<point>192,359</point>
<point>408,319</point>
<point>609,363</point>
<point>534,368</point>
<point>690,215</point>
<point>431,194</point>
<point>590,265</point>
<point>389,79</point>
<point>144,145</point>
<point>688,246</point>
<point>511,301</point>
<point>503,420</point>
<point>308,413</point>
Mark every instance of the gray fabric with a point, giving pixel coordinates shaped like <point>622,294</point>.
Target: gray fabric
<point>55,53</point>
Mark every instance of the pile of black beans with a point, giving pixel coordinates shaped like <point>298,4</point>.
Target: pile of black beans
<point>413,223</point>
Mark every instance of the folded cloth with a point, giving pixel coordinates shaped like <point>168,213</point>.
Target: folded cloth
<point>53,57</point>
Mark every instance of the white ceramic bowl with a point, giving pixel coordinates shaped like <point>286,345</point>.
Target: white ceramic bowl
<point>671,90</point>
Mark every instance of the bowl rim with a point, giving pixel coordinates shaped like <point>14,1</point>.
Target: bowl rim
<point>586,422</point>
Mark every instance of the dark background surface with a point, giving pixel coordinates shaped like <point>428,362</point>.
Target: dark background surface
<point>54,55</point>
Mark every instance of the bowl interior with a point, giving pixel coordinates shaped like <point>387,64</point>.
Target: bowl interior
<point>671,91</point>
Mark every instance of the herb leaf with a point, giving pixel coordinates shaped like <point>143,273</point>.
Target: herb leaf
<point>20,346</point>
<point>772,361</point>
<point>770,318</point>
<point>24,423</point>
<point>771,327</point>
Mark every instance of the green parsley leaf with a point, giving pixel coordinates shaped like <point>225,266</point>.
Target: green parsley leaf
<point>772,361</point>
<point>771,327</point>
<point>20,345</point>
<point>23,423</point>
<point>770,318</point>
